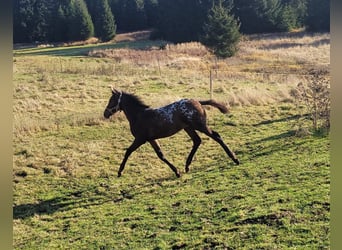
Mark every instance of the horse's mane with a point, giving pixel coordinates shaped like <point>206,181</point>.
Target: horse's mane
<point>135,100</point>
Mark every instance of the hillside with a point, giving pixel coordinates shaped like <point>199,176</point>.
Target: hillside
<point>66,156</point>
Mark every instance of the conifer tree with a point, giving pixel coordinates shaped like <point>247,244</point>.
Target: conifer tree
<point>81,25</point>
<point>103,20</point>
<point>23,21</point>
<point>258,16</point>
<point>287,18</point>
<point>41,21</point>
<point>59,25</point>
<point>221,32</point>
<point>300,9</point>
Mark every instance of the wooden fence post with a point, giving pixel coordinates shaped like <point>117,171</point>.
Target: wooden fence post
<point>159,66</point>
<point>211,84</point>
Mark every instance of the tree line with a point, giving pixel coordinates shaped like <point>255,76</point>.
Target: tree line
<point>172,20</point>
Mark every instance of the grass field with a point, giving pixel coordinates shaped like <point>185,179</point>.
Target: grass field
<point>66,156</point>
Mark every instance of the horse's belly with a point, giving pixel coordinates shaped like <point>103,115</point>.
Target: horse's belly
<point>162,131</point>
<point>157,124</point>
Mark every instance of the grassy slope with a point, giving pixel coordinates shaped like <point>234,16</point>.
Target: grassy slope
<point>67,195</point>
<point>278,197</point>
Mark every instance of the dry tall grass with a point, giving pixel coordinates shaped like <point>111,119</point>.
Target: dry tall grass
<point>50,92</point>
<point>169,55</point>
<point>287,52</point>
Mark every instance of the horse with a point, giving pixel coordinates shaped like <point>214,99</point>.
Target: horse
<point>148,124</point>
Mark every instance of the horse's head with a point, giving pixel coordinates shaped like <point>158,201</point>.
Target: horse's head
<point>113,104</point>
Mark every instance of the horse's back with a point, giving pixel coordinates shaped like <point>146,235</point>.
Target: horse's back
<point>168,120</point>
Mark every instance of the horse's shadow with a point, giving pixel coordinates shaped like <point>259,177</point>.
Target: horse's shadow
<point>82,199</point>
<point>50,206</point>
<point>57,204</point>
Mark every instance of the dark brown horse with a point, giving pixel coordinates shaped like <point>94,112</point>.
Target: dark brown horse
<point>149,124</point>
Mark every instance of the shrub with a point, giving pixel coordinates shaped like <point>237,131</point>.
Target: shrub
<point>315,98</point>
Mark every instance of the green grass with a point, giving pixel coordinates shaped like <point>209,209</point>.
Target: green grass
<point>277,198</point>
<point>66,194</point>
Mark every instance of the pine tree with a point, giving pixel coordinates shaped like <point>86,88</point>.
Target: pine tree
<point>287,18</point>
<point>41,11</point>
<point>32,20</point>
<point>117,9</point>
<point>23,19</point>
<point>81,25</point>
<point>300,9</point>
<point>59,26</point>
<point>221,32</point>
<point>258,16</point>
<point>103,20</point>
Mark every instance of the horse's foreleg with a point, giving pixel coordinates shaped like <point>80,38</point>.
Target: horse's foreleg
<point>160,154</point>
<point>197,142</point>
<point>136,144</point>
<point>214,135</point>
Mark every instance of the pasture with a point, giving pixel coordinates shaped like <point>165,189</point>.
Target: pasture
<point>66,193</point>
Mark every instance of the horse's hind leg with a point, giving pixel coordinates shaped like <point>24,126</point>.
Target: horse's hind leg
<point>160,154</point>
<point>197,141</point>
<point>214,135</point>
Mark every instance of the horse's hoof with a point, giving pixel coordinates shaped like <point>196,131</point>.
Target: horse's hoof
<point>119,174</point>
<point>178,175</point>
<point>187,170</point>
<point>236,161</point>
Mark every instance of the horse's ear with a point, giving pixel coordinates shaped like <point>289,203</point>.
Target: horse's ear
<point>113,90</point>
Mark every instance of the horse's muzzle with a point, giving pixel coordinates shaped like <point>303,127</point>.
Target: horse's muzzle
<point>107,114</point>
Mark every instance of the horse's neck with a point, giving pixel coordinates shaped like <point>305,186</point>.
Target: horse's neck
<point>131,111</point>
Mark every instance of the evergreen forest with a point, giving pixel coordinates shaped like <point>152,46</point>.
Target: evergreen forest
<point>173,20</point>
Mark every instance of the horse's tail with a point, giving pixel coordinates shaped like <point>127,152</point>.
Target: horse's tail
<point>215,104</point>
